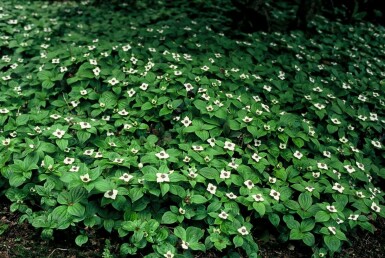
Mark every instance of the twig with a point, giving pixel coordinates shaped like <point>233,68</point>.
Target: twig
<point>61,249</point>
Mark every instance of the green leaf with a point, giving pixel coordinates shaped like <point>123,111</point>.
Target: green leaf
<point>83,136</point>
<point>180,232</point>
<point>274,219</point>
<point>108,224</point>
<point>198,199</point>
<point>169,217</point>
<point>81,240</point>
<point>295,234</point>
<point>76,210</point>
<point>308,239</point>
<point>332,242</point>
<point>209,173</point>
<point>322,216</point>
<point>260,208</point>
<point>238,241</point>
<point>203,135</point>
<point>305,200</point>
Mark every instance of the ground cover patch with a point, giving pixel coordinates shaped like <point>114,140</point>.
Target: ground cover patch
<point>179,138</point>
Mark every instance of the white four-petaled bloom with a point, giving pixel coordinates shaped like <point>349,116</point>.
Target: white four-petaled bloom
<point>322,165</point>
<point>111,194</point>
<point>113,81</point>
<point>298,155</point>
<point>225,174</point>
<point>349,168</point>
<point>59,133</point>
<point>338,187</point>
<point>247,119</point>
<point>126,177</point>
<point>69,161</point>
<point>333,230</point>
<point>85,178</point>
<point>229,146</point>
<point>231,195</point>
<point>211,188</point>
<point>275,194</point>
<point>258,197</point>
<point>353,216</point>
<point>336,121</point>
<point>331,208</point>
<point>376,144</point>
<point>169,254</point>
<point>249,184</point>
<point>256,157</point>
<point>243,231</point>
<point>223,215</point>
<point>162,155</point>
<point>375,207</point>
<point>85,125</point>
<point>186,121</point>
<point>162,177</point>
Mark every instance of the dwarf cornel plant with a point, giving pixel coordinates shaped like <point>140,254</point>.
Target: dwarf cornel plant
<point>157,126</point>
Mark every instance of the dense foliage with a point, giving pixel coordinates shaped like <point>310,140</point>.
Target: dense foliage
<point>166,131</point>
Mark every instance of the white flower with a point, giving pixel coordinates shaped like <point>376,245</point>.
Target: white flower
<point>182,211</point>
<point>162,177</point>
<point>6,142</point>
<point>336,121</point>
<point>197,148</point>
<point>126,177</point>
<point>68,161</point>
<point>188,86</point>
<point>118,160</point>
<point>55,116</point>
<point>319,106</point>
<point>186,159</point>
<point>272,180</point>
<point>74,169</point>
<point>123,112</point>
<point>223,215</point>
<point>229,145</point>
<point>231,195</point>
<point>349,168</point>
<point>256,157</point>
<point>332,230</point>
<point>249,184</point>
<point>88,152</point>
<point>376,144</point>
<point>275,194</point>
<point>186,121</point>
<point>331,208</point>
<point>169,254</point>
<point>113,81</point>
<point>85,125</point>
<point>326,154</point>
<point>85,178</point>
<point>298,155</point>
<point>59,133</point>
<point>258,197</point>
<point>322,165</point>
<point>96,71</point>
<point>375,207</point>
<point>162,155</point>
<point>233,165</point>
<point>360,195</point>
<point>185,244</point>
<point>243,231</point>
<point>211,141</point>
<point>338,187</point>
<point>360,166</point>
<point>111,194</point>
<point>309,188</point>
<point>247,119</point>
<point>144,86</point>
<point>316,174</point>
<point>4,111</point>
<point>211,188</point>
<point>225,174</point>
<point>353,216</point>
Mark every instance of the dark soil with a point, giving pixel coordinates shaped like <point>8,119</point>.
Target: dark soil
<point>22,240</point>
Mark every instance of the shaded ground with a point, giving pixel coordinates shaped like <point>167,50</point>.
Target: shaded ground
<point>22,240</point>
